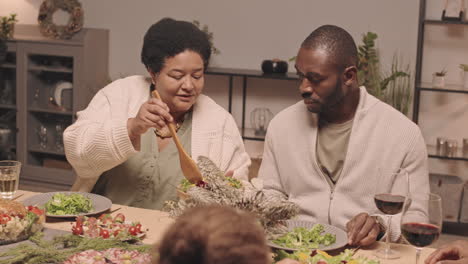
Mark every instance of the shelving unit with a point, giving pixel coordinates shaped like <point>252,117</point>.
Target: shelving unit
<point>247,133</point>
<point>50,81</point>
<point>427,87</point>
<point>8,109</point>
<point>421,87</point>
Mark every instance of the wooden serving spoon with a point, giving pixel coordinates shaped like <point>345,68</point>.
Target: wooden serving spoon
<point>189,167</point>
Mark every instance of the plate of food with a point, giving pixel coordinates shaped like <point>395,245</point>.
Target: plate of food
<point>69,204</point>
<point>111,255</point>
<point>18,222</point>
<point>106,226</point>
<point>321,257</point>
<point>306,235</point>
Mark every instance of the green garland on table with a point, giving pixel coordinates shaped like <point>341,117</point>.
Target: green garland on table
<point>46,23</point>
<point>61,248</point>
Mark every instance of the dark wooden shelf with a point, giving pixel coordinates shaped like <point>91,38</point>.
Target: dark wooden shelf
<point>50,151</point>
<point>447,89</point>
<point>10,146</point>
<point>50,69</point>
<point>49,111</point>
<point>444,22</point>
<point>250,73</point>
<point>458,155</point>
<point>8,65</point>
<point>7,106</point>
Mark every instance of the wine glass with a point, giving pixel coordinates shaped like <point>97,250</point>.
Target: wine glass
<point>390,194</point>
<point>421,222</point>
<point>59,137</point>
<point>42,135</point>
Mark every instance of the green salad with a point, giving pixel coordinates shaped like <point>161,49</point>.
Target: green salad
<point>63,204</point>
<point>185,184</point>
<point>304,238</point>
<point>320,257</point>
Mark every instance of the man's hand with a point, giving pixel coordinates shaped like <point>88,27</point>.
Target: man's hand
<point>453,253</point>
<point>363,230</point>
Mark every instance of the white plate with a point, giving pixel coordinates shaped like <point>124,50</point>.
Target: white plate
<point>100,203</point>
<point>341,236</point>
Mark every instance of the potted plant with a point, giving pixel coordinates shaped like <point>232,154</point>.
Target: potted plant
<point>464,68</point>
<point>7,26</point>
<point>393,87</point>
<point>438,79</point>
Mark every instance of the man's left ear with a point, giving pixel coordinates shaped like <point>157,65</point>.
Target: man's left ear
<point>350,75</point>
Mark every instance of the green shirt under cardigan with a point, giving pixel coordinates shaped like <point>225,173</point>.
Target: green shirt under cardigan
<point>149,178</point>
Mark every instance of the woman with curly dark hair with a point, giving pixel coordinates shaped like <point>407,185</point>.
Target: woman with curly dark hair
<point>211,235</point>
<point>120,145</point>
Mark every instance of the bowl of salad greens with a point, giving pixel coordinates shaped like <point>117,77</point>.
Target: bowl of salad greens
<point>306,236</point>
<point>69,204</point>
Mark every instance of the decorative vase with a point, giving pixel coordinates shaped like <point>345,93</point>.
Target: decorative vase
<point>259,119</point>
<point>438,81</point>
<point>274,66</point>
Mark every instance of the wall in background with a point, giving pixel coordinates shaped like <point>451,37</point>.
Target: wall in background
<point>247,32</point>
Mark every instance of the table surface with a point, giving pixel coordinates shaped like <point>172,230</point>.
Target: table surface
<point>157,222</point>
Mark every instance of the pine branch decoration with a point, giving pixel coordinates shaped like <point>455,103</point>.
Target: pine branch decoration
<point>270,208</point>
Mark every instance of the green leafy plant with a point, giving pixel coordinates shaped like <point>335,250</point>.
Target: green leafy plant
<point>7,26</point>
<point>205,29</point>
<point>441,73</point>
<point>464,67</point>
<point>394,87</point>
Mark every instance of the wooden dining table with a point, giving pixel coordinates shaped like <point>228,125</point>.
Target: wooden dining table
<point>157,222</point>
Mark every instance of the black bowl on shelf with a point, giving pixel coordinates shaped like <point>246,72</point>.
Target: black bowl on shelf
<point>274,66</point>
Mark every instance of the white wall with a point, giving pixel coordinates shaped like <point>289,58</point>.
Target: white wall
<point>247,32</point>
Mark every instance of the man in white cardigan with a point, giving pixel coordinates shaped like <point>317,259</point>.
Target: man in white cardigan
<point>324,153</point>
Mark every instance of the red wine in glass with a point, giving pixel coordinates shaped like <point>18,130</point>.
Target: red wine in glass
<point>421,221</point>
<point>390,194</point>
<point>419,234</point>
<point>390,204</point>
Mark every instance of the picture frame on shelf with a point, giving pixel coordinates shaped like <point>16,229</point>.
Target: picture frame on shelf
<point>453,10</point>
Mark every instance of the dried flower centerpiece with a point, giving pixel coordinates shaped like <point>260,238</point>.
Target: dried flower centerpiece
<point>270,208</point>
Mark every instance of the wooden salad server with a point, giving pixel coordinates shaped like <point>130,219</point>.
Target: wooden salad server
<point>189,167</point>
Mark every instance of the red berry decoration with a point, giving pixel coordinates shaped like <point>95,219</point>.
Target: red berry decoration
<point>202,184</point>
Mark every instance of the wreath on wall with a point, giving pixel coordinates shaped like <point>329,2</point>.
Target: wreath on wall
<point>46,23</point>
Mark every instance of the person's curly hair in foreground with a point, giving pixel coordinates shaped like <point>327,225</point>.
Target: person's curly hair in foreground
<point>214,234</point>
